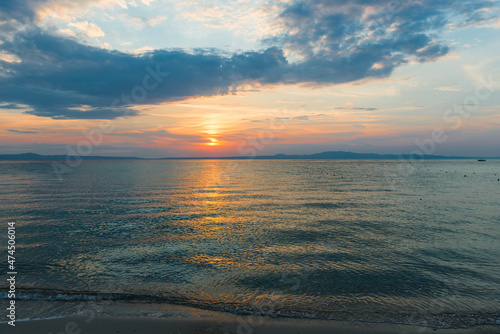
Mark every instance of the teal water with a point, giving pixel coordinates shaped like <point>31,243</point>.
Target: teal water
<point>379,241</point>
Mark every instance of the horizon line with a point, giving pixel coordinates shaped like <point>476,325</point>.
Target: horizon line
<point>279,156</point>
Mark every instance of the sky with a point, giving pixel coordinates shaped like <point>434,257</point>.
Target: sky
<point>163,78</point>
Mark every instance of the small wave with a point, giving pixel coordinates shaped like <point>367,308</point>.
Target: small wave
<point>69,296</point>
<point>436,321</point>
<point>149,210</point>
<point>188,217</point>
<point>329,205</point>
<point>131,201</point>
<point>33,319</point>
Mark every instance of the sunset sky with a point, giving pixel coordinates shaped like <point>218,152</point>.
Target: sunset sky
<point>159,78</point>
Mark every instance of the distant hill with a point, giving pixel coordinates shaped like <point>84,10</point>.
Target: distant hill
<point>339,155</point>
<point>360,156</point>
<point>34,156</point>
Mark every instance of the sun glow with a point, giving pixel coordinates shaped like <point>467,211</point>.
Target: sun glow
<point>214,142</point>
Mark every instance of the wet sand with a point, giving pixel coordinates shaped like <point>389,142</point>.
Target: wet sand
<point>223,325</point>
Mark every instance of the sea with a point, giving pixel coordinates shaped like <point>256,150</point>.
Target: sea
<point>382,241</point>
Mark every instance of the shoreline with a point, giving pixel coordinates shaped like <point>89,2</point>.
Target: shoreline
<point>79,317</point>
<point>126,318</point>
<point>225,324</point>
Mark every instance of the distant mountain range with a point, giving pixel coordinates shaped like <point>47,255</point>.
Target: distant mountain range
<point>341,155</point>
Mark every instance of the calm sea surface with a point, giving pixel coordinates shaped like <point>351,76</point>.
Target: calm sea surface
<point>378,241</point>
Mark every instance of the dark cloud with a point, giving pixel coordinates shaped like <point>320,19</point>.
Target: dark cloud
<point>24,11</point>
<point>18,10</point>
<point>62,78</point>
<point>355,108</point>
<point>21,131</point>
<point>11,106</point>
<point>343,41</point>
<point>340,41</point>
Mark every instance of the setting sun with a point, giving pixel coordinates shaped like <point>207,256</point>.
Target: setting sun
<point>214,142</point>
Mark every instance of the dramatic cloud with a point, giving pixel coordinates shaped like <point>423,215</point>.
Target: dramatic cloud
<point>19,10</point>
<point>61,78</point>
<point>30,11</point>
<point>342,40</point>
<point>331,42</point>
<point>27,10</point>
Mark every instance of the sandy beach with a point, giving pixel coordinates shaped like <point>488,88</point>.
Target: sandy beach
<point>224,325</point>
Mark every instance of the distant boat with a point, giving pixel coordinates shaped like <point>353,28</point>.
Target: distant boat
<point>481,159</point>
